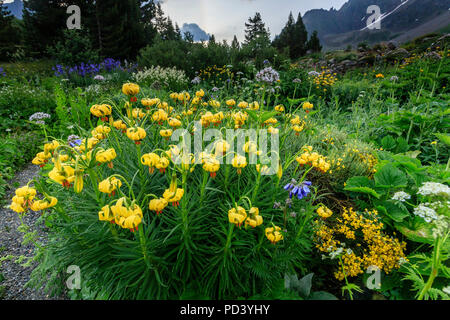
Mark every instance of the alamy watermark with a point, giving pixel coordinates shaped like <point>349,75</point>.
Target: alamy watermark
<point>74,20</point>
<point>261,146</point>
<point>74,280</point>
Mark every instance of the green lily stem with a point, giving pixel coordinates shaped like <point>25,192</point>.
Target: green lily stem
<point>229,236</point>
<point>143,242</point>
<point>255,191</point>
<point>92,176</point>
<point>346,280</point>
<point>203,186</point>
<point>434,266</point>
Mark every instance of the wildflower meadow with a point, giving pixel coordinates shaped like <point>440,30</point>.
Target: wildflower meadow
<point>249,176</point>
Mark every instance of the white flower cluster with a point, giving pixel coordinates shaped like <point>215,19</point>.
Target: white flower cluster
<point>401,196</point>
<point>268,75</point>
<point>99,77</point>
<point>441,227</point>
<point>313,74</point>
<point>427,213</point>
<point>196,80</point>
<point>164,76</point>
<point>434,189</point>
<point>39,117</point>
<point>394,79</point>
<point>333,254</point>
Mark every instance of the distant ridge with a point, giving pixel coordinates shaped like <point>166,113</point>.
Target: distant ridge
<point>16,8</point>
<point>348,25</point>
<point>196,31</point>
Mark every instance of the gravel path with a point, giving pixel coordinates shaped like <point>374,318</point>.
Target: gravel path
<point>16,276</point>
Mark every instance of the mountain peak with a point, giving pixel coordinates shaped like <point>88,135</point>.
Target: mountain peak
<point>15,7</point>
<point>348,25</point>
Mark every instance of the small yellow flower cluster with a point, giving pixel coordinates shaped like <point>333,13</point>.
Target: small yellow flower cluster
<point>352,155</point>
<point>101,132</point>
<point>158,205</point>
<point>324,79</point>
<point>361,234</point>
<point>109,185</point>
<point>106,156</point>
<point>238,215</point>
<point>130,89</point>
<point>127,216</point>
<point>41,158</point>
<point>313,159</point>
<point>101,111</point>
<point>273,234</point>
<point>297,124</point>
<point>24,199</point>
<point>218,73</point>
<point>136,134</point>
<point>239,118</point>
<point>324,212</point>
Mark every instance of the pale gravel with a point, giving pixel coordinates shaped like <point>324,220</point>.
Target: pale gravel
<point>16,276</point>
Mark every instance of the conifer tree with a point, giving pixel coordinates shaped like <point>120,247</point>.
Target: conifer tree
<point>285,38</point>
<point>123,38</point>
<point>148,14</point>
<point>314,43</point>
<point>188,37</point>
<point>44,22</point>
<point>235,43</point>
<point>297,47</point>
<point>256,30</point>
<point>8,33</point>
<point>212,40</point>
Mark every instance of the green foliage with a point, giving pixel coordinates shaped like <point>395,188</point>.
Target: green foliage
<point>9,34</point>
<point>74,48</point>
<point>16,151</point>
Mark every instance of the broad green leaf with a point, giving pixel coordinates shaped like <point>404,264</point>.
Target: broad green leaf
<point>388,143</point>
<point>360,181</point>
<point>304,285</point>
<point>295,101</point>
<point>390,177</point>
<point>322,295</point>
<point>252,114</point>
<point>268,115</point>
<point>422,233</point>
<point>365,190</point>
<point>393,211</point>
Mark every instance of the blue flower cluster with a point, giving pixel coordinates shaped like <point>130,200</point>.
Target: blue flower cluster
<point>91,69</point>
<point>301,190</point>
<point>2,72</point>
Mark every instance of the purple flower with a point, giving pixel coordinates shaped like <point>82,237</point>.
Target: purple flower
<point>74,140</point>
<point>301,190</point>
<point>268,75</point>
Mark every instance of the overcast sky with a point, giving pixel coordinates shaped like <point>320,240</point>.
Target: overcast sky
<point>226,18</point>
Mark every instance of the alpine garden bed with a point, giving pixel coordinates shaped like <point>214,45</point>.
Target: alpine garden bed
<point>228,194</point>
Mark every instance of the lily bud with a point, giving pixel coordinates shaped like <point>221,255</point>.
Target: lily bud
<point>78,183</point>
<point>57,161</point>
<point>280,170</point>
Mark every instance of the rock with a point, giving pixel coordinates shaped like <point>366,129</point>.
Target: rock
<point>369,59</point>
<point>433,55</point>
<point>397,54</point>
<point>391,46</point>
<point>348,63</point>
